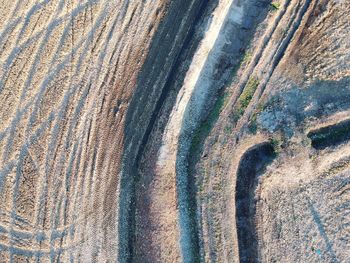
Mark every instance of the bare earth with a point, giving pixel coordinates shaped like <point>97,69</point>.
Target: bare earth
<point>175,131</point>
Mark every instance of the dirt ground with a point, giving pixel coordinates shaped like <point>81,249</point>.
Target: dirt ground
<point>175,131</point>
<point>68,72</point>
<point>301,199</point>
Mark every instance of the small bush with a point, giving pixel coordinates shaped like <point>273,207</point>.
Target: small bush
<point>276,144</point>
<point>275,5</point>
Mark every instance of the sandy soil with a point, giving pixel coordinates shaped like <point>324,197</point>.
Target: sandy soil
<point>134,131</point>
<point>68,71</point>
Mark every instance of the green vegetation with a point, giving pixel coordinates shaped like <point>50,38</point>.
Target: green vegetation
<point>248,92</point>
<point>252,126</point>
<point>245,98</point>
<point>196,147</point>
<point>276,144</point>
<point>261,106</point>
<point>207,125</point>
<point>273,102</point>
<point>228,129</point>
<point>275,5</point>
<point>246,58</point>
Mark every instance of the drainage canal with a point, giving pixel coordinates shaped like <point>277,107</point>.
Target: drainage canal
<point>330,135</point>
<point>252,164</point>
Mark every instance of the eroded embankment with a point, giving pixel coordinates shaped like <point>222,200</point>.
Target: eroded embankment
<point>200,85</point>
<point>201,82</point>
<point>251,166</point>
<point>172,37</point>
<point>156,206</point>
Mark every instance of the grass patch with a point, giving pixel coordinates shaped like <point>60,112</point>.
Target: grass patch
<point>246,58</point>
<point>248,92</point>
<point>275,6</point>
<point>253,126</point>
<point>206,126</point>
<point>276,144</point>
<point>245,98</point>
